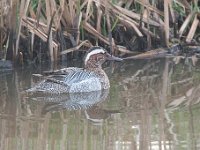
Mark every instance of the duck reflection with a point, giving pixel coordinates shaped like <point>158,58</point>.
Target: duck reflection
<point>78,101</point>
<point>97,115</point>
<point>70,101</point>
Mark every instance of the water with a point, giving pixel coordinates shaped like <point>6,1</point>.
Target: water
<point>152,104</point>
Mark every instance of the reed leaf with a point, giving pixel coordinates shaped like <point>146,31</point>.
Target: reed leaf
<point>192,29</point>
<point>185,23</point>
<point>137,16</point>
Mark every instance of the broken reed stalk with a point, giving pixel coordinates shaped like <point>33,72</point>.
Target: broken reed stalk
<point>186,23</point>
<point>53,52</point>
<point>22,13</point>
<point>12,26</point>
<point>185,3</point>
<point>171,11</point>
<point>166,21</point>
<point>50,13</point>
<point>109,28</point>
<point>38,11</point>
<point>99,16</point>
<point>136,16</point>
<point>3,13</point>
<point>85,43</point>
<point>145,14</point>
<point>151,8</point>
<point>38,31</point>
<point>192,29</point>
<point>89,2</point>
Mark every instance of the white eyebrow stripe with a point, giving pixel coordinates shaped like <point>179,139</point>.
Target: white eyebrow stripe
<point>96,51</point>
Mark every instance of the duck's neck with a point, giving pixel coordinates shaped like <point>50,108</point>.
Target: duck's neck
<point>100,73</point>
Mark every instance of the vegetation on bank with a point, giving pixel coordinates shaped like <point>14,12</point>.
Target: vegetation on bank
<point>36,30</point>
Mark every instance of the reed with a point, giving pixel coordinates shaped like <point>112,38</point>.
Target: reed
<point>66,26</point>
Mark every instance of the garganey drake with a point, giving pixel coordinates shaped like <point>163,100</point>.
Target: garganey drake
<point>75,80</point>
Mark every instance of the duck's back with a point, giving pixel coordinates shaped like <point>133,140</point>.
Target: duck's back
<point>69,80</point>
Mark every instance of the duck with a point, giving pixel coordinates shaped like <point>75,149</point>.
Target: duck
<point>77,80</point>
<point>72,101</point>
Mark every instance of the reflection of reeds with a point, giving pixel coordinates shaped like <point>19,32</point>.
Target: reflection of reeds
<point>143,120</point>
<point>65,25</point>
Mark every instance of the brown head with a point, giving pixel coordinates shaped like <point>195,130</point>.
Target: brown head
<point>96,56</point>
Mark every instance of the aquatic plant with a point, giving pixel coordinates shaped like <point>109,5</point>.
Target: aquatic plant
<point>31,29</point>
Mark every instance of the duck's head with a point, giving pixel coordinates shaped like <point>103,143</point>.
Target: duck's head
<point>96,56</point>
